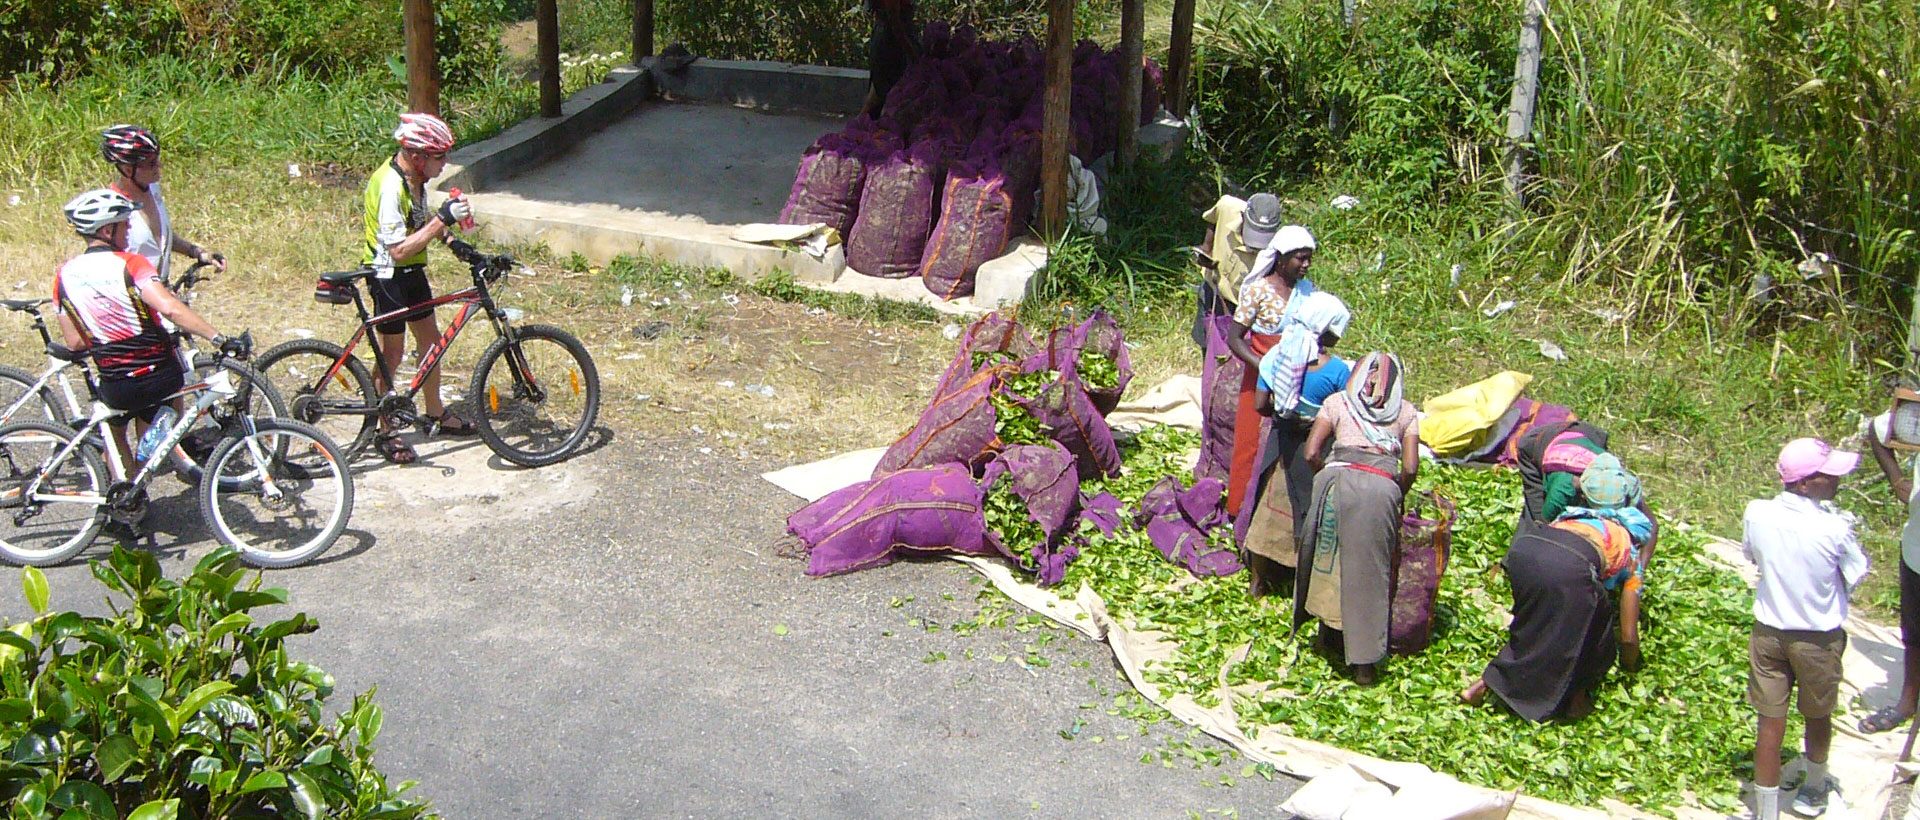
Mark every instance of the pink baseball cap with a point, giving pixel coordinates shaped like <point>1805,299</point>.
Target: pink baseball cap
<point>1803,457</point>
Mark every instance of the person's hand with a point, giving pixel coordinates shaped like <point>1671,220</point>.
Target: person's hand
<point>1903,487</point>
<point>1630,657</point>
<point>217,260</point>
<point>238,347</point>
<point>454,211</point>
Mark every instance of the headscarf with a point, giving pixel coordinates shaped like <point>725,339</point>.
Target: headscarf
<point>1284,367</point>
<point>1375,406</point>
<point>1606,484</point>
<point>1289,239</point>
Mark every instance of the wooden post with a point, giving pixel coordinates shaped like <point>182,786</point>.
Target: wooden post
<point>546,22</point>
<point>423,66</point>
<point>1526,87</point>
<point>1179,59</point>
<point>1336,111</point>
<point>642,30</point>
<point>1055,126</point>
<point>1132,34</point>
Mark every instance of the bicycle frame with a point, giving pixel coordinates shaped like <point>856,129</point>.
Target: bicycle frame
<point>218,385</point>
<point>472,299</point>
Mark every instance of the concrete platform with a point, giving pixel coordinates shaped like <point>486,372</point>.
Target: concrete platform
<point>626,171</point>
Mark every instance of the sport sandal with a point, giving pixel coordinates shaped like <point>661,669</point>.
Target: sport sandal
<point>396,450</point>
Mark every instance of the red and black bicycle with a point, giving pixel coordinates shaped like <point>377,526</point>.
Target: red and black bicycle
<point>535,392</point>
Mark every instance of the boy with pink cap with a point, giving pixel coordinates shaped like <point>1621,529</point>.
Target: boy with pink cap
<point>1809,561</point>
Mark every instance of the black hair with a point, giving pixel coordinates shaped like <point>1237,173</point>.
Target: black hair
<point>1328,339</point>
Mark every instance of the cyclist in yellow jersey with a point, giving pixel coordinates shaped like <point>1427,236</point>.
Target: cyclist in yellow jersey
<point>398,229</point>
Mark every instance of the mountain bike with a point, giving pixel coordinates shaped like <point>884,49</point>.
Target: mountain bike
<point>535,392</point>
<point>51,396</point>
<point>276,490</point>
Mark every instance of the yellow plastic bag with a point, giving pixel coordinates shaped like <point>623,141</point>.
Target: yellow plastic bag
<point>1456,423</point>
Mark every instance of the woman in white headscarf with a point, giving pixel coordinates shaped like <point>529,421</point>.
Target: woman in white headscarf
<point>1296,376</point>
<point>1266,297</point>
<point>1352,529</point>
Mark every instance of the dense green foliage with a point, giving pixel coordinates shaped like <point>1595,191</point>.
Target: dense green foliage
<point>1666,726</point>
<point>1684,149</point>
<point>182,703</point>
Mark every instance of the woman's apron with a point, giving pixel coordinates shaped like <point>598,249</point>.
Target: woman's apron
<point>1249,427</point>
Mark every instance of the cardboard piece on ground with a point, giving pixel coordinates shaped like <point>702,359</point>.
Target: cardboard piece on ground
<point>813,238</point>
<point>815,480</point>
<point>1174,402</point>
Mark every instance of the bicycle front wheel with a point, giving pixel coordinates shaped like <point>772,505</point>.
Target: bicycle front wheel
<point>50,509</point>
<point>279,496</point>
<point>535,396</point>
<point>22,399</point>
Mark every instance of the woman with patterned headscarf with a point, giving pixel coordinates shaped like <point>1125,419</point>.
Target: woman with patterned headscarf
<point>1352,529</point>
<point>1271,294</point>
<point>1566,575</point>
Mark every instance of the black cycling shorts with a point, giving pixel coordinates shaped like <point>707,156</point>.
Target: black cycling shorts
<point>407,287</point>
<point>142,396</point>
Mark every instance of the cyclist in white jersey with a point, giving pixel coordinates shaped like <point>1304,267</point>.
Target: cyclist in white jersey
<point>135,151</point>
<point>109,305</point>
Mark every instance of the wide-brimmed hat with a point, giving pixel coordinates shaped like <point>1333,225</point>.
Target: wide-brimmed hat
<point>1260,220</point>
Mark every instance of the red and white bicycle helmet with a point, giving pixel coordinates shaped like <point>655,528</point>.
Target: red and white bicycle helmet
<point>424,132</point>
<point>94,210</point>
<point>128,145</point>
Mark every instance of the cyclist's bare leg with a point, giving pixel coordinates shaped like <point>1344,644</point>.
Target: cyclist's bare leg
<point>392,350</point>
<point>426,331</point>
<point>117,433</point>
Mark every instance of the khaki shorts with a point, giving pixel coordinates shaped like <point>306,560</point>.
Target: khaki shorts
<point>1781,659</point>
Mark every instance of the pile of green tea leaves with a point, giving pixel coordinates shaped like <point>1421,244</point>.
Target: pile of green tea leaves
<point>1098,371</point>
<point>1013,424</point>
<point>1662,737</point>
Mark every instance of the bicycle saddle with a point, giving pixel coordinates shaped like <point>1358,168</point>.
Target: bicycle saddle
<point>23,305</point>
<point>346,277</point>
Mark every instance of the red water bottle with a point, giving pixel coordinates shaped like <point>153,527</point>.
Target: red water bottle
<point>467,223</point>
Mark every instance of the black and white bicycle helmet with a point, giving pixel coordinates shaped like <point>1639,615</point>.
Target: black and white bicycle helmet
<point>128,145</point>
<point>94,210</point>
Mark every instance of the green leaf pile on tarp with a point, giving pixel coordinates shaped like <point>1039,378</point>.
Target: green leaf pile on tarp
<point>1659,738</point>
<point>1013,424</point>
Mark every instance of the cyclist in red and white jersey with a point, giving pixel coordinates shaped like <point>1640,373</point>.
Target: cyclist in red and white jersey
<point>109,304</point>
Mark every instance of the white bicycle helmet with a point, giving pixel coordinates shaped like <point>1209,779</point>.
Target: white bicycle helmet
<point>94,210</point>
<point>424,132</point>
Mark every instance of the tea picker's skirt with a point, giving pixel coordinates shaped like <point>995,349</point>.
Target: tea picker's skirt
<point>1562,637</point>
<point>1347,544</point>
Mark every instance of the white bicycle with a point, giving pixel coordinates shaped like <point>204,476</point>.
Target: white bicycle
<point>276,490</point>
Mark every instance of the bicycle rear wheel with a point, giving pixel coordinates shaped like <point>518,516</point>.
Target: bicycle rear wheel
<point>66,510</point>
<point>20,401</point>
<point>342,407</point>
<point>535,396</point>
<point>279,496</point>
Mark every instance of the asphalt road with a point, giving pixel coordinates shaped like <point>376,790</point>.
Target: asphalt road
<point>603,638</point>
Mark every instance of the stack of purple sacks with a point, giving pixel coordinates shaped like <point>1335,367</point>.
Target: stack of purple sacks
<point>945,177</point>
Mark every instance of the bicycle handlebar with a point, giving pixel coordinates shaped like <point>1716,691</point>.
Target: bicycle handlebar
<point>490,266</point>
<point>190,278</point>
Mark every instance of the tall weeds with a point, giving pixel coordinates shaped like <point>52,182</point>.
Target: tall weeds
<point>1749,161</point>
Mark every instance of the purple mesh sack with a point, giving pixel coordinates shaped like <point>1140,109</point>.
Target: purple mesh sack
<point>995,332</point>
<point>1043,477</point>
<point>920,92</point>
<point>828,185</point>
<point>896,212</point>
<point>1219,402</point>
<point>1071,419</point>
<point>1099,334</point>
<point>956,427</point>
<point>975,218</point>
<point>1104,512</point>
<point>1178,521</point>
<point>1152,90</point>
<point>1019,161</point>
<point>1425,546</point>
<point>928,510</point>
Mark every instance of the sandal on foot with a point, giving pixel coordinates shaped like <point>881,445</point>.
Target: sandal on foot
<point>1883,720</point>
<point>451,425</point>
<point>396,450</point>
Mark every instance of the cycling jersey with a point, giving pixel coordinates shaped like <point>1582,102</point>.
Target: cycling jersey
<point>100,291</point>
<point>150,233</point>
<point>392,212</point>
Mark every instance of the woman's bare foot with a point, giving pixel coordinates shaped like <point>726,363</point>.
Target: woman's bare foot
<point>1475,693</point>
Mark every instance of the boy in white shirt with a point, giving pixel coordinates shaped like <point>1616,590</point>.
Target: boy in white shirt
<point>1809,561</point>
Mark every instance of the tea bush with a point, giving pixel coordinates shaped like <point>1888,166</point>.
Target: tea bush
<point>182,704</point>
